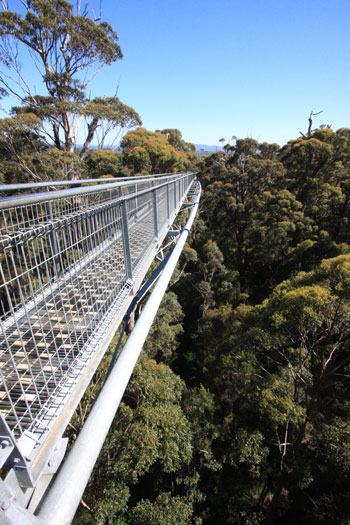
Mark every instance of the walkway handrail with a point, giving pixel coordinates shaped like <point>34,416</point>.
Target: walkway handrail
<point>34,198</point>
<point>71,260</point>
<point>54,184</point>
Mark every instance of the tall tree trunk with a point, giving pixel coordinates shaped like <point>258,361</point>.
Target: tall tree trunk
<point>56,134</point>
<point>91,132</point>
<point>275,500</point>
<point>68,138</point>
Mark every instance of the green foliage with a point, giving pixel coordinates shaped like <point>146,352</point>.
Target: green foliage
<point>175,140</point>
<point>103,162</point>
<point>145,151</point>
<point>62,165</point>
<point>21,148</point>
<point>276,368</point>
<point>26,157</point>
<point>150,435</point>
<point>166,509</point>
<point>166,329</point>
<point>199,407</point>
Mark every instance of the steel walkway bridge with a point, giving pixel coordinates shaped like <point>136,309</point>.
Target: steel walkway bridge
<point>71,261</point>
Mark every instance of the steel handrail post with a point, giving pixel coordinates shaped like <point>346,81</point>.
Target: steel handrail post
<point>52,238</point>
<point>126,240</point>
<point>167,201</point>
<point>155,213</point>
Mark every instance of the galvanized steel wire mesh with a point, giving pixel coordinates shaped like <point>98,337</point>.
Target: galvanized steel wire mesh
<point>66,267</point>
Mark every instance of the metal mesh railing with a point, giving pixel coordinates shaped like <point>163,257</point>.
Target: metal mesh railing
<point>68,261</point>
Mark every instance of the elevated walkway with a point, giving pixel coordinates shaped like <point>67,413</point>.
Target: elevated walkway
<point>71,261</point>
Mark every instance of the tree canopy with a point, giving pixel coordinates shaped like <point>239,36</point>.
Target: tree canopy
<point>255,329</point>
<point>157,152</point>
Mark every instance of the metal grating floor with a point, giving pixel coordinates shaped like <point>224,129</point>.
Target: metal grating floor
<point>48,340</point>
<point>54,332</point>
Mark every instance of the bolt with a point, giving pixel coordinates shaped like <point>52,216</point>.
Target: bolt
<point>50,463</point>
<point>4,505</point>
<point>16,461</point>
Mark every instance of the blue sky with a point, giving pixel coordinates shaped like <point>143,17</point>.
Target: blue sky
<point>216,69</point>
<point>246,68</point>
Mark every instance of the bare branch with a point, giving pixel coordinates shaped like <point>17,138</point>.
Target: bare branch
<point>309,130</point>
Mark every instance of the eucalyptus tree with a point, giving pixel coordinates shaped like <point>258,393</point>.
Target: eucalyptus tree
<point>67,49</point>
<point>157,152</point>
<point>174,137</point>
<point>233,181</point>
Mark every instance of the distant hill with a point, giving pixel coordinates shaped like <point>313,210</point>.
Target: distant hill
<point>201,149</point>
<point>204,149</point>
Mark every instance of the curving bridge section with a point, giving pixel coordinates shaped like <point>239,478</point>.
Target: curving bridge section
<point>71,261</point>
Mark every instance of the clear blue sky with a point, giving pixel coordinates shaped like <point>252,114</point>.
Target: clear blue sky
<point>231,67</point>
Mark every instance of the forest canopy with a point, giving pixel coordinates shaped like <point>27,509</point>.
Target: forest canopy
<point>253,338</point>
